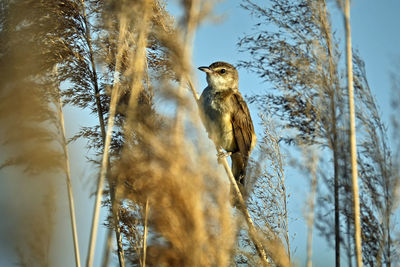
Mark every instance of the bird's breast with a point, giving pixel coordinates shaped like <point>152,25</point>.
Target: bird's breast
<point>217,119</point>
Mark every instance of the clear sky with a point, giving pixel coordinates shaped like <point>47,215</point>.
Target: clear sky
<point>375,33</point>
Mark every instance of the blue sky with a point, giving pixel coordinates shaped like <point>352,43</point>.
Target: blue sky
<point>375,33</point>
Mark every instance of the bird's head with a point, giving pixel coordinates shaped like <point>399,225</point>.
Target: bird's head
<point>221,76</point>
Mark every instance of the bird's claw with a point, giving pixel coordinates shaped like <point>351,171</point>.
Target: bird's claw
<point>221,155</point>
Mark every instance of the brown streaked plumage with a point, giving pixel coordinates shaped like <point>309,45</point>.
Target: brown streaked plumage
<point>226,116</point>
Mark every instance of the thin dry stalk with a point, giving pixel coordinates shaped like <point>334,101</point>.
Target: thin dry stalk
<point>194,92</point>
<point>88,38</point>
<point>100,185</point>
<point>310,216</point>
<point>115,212</point>
<point>245,212</point>
<point>105,161</point>
<point>353,144</point>
<point>146,215</point>
<point>286,234</point>
<point>106,254</point>
<point>68,176</point>
<point>328,36</point>
<point>138,61</point>
<point>282,175</point>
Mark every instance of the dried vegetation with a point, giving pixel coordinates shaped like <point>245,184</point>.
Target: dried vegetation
<point>128,63</point>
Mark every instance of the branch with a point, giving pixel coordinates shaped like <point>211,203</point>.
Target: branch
<point>115,95</point>
<point>68,174</point>
<point>353,144</point>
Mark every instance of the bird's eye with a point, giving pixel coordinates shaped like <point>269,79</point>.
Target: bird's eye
<point>222,71</point>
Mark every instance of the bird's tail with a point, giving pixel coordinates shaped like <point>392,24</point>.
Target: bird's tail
<point>239,164</point>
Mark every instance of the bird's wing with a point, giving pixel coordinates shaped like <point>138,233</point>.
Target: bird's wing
<point>243,128</point>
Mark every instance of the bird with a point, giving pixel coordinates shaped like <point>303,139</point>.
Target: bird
<point>226,116</point>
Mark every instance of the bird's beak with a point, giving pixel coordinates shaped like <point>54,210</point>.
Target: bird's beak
<point>205,69</point>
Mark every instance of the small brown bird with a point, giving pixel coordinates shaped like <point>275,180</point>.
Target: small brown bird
<point>226,116</point>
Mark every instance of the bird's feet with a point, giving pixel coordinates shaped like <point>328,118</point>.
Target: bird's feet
<point>221,155</point>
